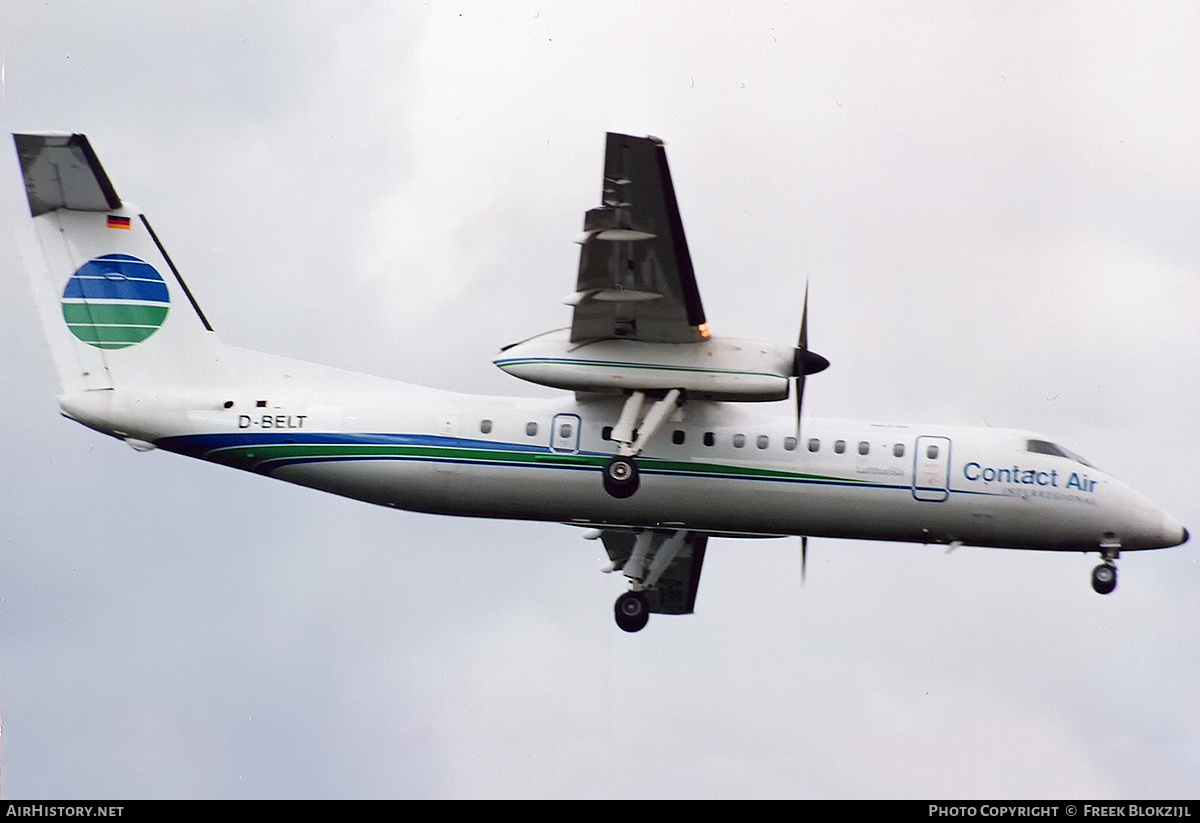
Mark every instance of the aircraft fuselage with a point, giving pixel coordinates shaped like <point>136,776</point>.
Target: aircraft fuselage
<point>718,468</point>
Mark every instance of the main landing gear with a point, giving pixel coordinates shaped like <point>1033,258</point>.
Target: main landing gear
<point>621,473</point>
<point>1104,576</point>
<point>652,553</point>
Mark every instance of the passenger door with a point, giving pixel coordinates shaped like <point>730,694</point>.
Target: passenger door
<point>931,469</point>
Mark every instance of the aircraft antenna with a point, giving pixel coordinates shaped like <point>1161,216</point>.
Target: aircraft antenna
<point>803,557</point>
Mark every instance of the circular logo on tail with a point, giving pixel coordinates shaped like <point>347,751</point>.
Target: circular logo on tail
<point>115,301</point>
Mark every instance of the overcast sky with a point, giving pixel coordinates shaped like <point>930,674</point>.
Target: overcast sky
<point>997,206</point>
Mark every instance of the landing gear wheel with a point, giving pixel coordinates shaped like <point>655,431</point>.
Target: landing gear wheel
<point>621,477</point>
<point>1104,578</point>
<point>632,611</point>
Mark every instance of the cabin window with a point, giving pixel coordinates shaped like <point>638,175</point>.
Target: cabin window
<point>789,444</point>
<point>931,452</point>
<point>839,446</point>
<point>763,441</point>
<point>677,437</point>
<point>814,444</point>
<point>565,431</point>
<point>531,429</point>
<point>606,433</point>
<point>898,449</point>
<point>864,447</point>
<point>739,440</point>
<point>709,438</point>
<point>485,426</point>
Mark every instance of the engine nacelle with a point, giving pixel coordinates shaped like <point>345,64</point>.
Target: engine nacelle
<point>714,369</point>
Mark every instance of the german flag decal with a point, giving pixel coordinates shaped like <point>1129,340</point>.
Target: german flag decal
<point>115,222</point>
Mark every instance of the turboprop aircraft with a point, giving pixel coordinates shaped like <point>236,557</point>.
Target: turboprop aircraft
<point>660,440</point>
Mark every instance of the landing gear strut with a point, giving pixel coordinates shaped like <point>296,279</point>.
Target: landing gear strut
<point>621,473</point>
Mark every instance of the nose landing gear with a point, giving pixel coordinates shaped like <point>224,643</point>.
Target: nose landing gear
<point>1104,576</point>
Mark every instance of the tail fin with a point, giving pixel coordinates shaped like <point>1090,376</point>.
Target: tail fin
<point>114,309</point>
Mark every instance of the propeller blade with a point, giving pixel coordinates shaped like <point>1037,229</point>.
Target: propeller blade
<point>798,394</point>
<point>803,341</point>
<point>804,362</point>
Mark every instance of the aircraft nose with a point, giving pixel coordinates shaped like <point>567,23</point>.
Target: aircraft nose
<point>1174,533</point>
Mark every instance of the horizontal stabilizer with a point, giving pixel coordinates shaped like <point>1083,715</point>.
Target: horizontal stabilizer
<point>61,172</point>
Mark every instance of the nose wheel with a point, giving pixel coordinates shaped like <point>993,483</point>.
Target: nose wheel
<point>1104,578</point>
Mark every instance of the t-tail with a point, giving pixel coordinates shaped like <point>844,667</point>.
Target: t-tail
<point>115,311</point>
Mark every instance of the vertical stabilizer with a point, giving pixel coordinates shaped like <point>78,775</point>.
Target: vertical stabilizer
<point>115,311</point>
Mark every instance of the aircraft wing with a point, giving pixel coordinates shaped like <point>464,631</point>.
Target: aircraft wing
<point>675,591</point>
<point>635,273</point>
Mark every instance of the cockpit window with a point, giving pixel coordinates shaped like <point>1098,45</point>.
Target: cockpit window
<point>1046,447</point>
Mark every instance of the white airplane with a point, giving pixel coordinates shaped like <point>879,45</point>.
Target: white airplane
<point>656,448</point>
